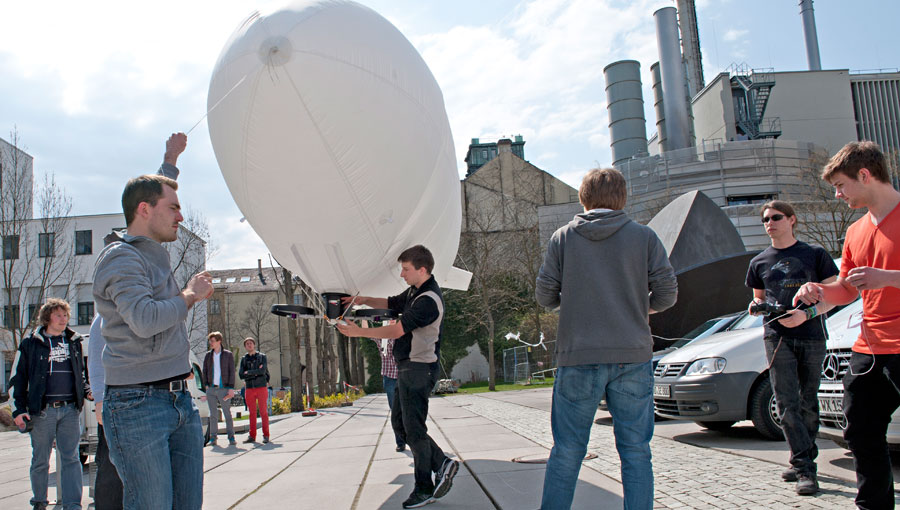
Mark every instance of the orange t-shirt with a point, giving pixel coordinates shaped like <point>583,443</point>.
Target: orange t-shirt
<point>876,246</point>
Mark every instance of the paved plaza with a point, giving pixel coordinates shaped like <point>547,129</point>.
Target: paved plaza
<point>344,458</point>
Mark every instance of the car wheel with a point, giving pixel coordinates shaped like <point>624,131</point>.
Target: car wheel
<point>716,425</point>
<point>764,411</point>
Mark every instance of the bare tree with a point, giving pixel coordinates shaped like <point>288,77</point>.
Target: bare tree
<point>822,218</point>
<point>190,253</point>
<point>38,254</point>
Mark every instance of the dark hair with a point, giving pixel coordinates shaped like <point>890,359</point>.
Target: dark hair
<point>780,206</point>
<point>49,307</point>
<point>855,156</point>
<point>146,188</point>
<point>419,256</point>
<point>603,188</point>
<point>215,334</point>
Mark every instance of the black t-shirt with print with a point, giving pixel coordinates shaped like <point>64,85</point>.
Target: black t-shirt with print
<point>781,272</point>
<point>61,380</point>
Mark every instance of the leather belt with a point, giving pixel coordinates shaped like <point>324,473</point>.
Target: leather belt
<point>180,385</point>
<point>59,403</point>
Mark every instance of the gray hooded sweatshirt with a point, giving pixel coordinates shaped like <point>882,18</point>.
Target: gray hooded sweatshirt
<point>143,314</point>
<point>605,272</point>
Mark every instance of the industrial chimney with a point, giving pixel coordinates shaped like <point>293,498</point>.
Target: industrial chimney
<point>690,46</point>
<point>659,108</point>
<point>809,32</point>
<point>675,101</point>
<point>625,103</point>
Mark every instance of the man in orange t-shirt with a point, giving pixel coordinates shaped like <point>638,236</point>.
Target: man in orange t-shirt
<point>871,266</point>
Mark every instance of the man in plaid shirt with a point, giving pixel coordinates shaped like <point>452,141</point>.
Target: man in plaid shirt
<point>389,374</point>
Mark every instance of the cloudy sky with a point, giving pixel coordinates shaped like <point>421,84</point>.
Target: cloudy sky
<point>94,88</point>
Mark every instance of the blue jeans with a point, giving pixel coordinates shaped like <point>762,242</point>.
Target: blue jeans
<point>795,377</point>
<point>390,387</point>
<point>60,424</point>
<point>156,443</point>
<point>578,390</point>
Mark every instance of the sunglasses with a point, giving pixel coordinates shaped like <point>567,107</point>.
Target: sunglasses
<point>774,217</point>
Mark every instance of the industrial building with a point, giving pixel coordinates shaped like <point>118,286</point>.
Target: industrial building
<point>748,136</point>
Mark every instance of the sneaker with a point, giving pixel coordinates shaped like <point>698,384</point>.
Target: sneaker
<point>444,477</point>
<point>250,439</point>
<point>265,439</point>
<point>418,500</point>
<point>789,475</point>
<point>231,441</point>
<point>807,484</point>
<point>401,447</point>
<point>212,442</point>
<point>39,506</point>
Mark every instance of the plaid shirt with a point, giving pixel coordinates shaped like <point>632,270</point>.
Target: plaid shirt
<point>388,363</point>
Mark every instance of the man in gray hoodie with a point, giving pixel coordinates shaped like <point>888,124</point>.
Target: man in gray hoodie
<point>606,274</point>
<point>151,424</point>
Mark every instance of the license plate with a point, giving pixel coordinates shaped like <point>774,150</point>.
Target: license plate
<point>662,390</point>
<point>831,405</point>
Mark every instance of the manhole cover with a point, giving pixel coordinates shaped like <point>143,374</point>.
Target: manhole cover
<point>540,458</point>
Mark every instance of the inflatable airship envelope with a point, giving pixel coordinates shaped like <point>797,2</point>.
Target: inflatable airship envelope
<point>332,136</point>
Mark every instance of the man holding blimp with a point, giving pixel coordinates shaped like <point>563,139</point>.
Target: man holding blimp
<point>416,350</point>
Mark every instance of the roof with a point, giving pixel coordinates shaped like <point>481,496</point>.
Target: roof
<point>245,280</point>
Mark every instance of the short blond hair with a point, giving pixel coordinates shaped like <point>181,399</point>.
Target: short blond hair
<point>603,188</point>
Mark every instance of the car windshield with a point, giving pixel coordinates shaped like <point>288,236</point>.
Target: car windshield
<point>704,330</point>
<point>747,321</point>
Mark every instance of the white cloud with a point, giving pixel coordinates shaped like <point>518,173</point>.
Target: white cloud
<point>735,34</point>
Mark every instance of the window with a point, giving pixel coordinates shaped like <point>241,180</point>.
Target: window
<point>298,299</point>
<point>230,279</point>
<point>10,247</point>
<point>11,316</point>
<point>83,242</point>
<point>217,280</point>
<point>245,279</point>
<point>33,309</point>
<point>46,242</point>
<point>85,313</point>
<point>214,307</point>
<point>484,154</point>
<point>750,199</point>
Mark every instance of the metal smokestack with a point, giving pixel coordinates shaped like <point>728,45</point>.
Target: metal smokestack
<point>690,45</point>
<point>675,104</point>
<point>659,108</point>
<point>809,32</point>
<point>625,103</point>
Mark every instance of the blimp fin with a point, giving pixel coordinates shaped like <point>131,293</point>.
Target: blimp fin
<point>457,279</point>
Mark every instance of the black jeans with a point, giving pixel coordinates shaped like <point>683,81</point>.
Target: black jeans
<point>107,486</point>
<point>414,384</point>
<point>795,375</point>
<point>870,398</point>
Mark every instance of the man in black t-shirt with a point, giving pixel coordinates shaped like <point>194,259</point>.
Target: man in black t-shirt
<point>48,388</point>
<point>416,349</point>
<point>795,340</point>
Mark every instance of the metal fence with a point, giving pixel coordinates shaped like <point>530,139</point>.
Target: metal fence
<point>525,363</point>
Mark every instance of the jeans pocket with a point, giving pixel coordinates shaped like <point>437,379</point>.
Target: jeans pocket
<point>635,382</point>
<point>575,383</point>
<point>123,399</point>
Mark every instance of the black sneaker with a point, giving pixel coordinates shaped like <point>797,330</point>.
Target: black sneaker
<point>401,447</point>
<point>418,500</point>
<point>807,484</point>
<point>265,439</point>
<point>39,506</point>
<point>444,477</point>
<point>789,475</point>
<point>250,440</point>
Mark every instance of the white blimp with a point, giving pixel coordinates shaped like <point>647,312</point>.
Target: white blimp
<point>331,133</point>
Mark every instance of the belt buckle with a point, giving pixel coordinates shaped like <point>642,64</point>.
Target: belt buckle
<point>177,386</point>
